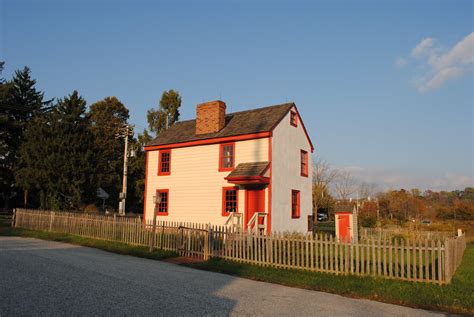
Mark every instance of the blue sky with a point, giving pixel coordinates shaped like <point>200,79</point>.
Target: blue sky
<point>385,90</point>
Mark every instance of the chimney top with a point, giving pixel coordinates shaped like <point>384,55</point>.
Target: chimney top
<point>210,117</point>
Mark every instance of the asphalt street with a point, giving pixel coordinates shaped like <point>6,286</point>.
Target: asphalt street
<point>45,278</point>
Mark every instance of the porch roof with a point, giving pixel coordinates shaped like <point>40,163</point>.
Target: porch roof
<point>249,173</point>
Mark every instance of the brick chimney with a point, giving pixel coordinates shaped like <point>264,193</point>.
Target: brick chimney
<point>210,117</point>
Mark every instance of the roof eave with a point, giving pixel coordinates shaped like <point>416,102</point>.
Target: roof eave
<point>240,137</point>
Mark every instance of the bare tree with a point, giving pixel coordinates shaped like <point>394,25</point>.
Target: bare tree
<point>345,185</point>
<point>323,176</point>
<point>366,190</point>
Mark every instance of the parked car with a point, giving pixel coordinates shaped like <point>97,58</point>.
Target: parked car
<point>426,222</point>
<point>322,217</point>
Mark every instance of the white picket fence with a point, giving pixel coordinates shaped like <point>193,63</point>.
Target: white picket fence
<point>420,260</point>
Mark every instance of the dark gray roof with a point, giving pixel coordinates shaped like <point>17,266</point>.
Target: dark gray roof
<point>249,169</point>
<point>237,123</point>
<point>347,207</point>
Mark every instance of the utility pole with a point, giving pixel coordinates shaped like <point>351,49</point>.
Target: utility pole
<point>124,132</point>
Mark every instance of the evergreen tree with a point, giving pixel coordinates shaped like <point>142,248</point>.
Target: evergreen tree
<point>20,103</point>
<point>7,139</point>
<point>167,114</point>
<point>57,156</point>
<point>26,99</point>
<point>106,117</point>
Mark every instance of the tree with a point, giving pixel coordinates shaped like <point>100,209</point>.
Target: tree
<point>323,176</point>
<point>167,113</point>
<point>20,103</point>
<point>402,205</point>
<point>137,172</point>
<point>7,138</point>
<point>366,190</point>
<point>106,117</point>
<point>468,194</point>
<point>62,165</point>
<point>415,192</point>
<point>344,185</point>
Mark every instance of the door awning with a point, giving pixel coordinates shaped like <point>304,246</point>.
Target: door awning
<point>250,173</point>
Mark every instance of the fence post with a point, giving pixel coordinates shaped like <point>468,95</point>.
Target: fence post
<point>51,219</point>
<point>153,233</point>
<point>207,242</point>
<point>14,217</point>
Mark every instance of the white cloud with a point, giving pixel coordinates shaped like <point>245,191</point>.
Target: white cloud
<point>401,62</point>
<point>439,65</point>
<point>439,78</point>
<point>461,54</point>
<point>422,48</point>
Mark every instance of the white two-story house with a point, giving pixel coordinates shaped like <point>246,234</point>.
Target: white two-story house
<point>242,163</point>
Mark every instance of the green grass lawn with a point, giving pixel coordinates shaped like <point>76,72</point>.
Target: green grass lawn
<point>116,247</point>
<point>457,297</point>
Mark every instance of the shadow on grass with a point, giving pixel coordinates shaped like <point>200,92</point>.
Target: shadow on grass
<point>456,297</point>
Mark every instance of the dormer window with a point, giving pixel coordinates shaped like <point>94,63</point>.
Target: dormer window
<point>293,118</point>
<point>227,157</point>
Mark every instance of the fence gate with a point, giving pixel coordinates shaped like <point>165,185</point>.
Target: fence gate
<point>193,242</point>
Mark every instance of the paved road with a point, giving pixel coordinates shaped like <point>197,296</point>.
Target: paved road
<point>50,278</point>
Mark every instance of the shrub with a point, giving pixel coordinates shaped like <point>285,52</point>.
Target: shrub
<point>368,221</point>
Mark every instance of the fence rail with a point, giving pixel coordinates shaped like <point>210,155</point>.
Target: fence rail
<point>420,260</point>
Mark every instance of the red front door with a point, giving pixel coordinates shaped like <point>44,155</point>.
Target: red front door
<point>255,202</point>
<point>344,228</point>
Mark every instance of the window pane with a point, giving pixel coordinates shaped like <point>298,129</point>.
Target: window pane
<point>165,162</point>
<point>227,156</point>
<point>293,118</point>
<point>294,204</point>
<point>227,162</point>
<point>304,162</point>
<point>163,205</point>
<point>230,200</point>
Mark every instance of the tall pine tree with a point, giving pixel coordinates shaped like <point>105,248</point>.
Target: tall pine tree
<point>21,102</point>
<point>58,157</point>
<point>7,139</point>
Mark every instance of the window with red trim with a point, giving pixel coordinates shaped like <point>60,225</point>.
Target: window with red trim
<point>295,204</point>
<point>293,118</point>
<point>164,162</point>
<point>304,163</point>
<point>230,200</point>
<point>226,156</point>
<point>162,200</point>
